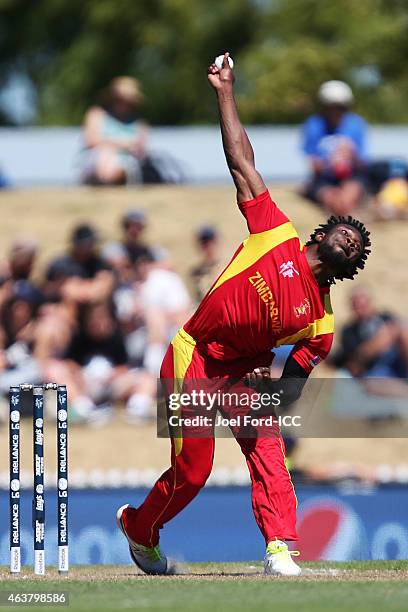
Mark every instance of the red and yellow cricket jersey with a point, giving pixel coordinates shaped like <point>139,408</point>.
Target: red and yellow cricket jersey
<point>267,296</point>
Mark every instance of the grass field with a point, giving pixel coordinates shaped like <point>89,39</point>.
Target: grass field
<point>356,587</point>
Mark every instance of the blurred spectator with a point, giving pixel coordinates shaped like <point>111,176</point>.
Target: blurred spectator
<point>133,227</point>
<point>19,303</point>
<point>15,273</point>
<point>115,137</point>
<point>91,278</point>
<point>126,300</point>
<point>17,269</point>
<point>374,343</point>
<point>392,193</point>
<point>21,259</point>
<point>116,257</point>
<point>334,140</point>
<point>80,277</point>
<point>124,257</point>
<point>17,327</point>
<point>165,303</point>
<point>205,272</point>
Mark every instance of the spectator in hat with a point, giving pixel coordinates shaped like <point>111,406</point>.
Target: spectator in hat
<point>115,137</point>
<point>203,274</point>
<point>334,140</point>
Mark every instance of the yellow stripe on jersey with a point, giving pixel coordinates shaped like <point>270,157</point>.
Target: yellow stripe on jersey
<point>319,327</point>
<point>255,247</point>
<point>183,348</point>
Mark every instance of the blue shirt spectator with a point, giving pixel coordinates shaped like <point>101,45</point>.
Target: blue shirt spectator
<point>320,139</point>
<point>335,142</point>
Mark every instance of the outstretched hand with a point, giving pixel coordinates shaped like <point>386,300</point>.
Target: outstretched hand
<point>221,80</point>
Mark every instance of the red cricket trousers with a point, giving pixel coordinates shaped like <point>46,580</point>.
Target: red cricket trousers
<point>273,497</point>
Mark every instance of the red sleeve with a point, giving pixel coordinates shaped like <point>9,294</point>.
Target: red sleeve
<point>311,351</point>
<point>262,213</point>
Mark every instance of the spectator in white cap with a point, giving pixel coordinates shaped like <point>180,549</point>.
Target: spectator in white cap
<point>334,140</point>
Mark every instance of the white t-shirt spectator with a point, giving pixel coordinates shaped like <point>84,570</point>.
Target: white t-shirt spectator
<point>165,291</point>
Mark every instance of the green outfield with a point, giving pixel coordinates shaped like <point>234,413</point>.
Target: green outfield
<point>357,586</point>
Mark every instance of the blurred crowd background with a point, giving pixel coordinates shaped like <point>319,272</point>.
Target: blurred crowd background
<point>98,317</point>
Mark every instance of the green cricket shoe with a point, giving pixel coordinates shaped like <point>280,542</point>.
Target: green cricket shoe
<point>278,560</point>
<point>150,560</point>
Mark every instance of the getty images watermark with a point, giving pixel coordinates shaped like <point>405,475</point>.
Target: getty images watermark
<point>236,409</point>
<point>327,408</point>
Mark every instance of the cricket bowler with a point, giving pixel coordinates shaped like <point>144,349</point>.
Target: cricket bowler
<point>275,291</point>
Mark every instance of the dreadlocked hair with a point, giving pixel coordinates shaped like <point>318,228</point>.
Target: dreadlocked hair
<point>350,269</point>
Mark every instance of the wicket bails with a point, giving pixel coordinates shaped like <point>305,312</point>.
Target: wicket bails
<point>38,507</point>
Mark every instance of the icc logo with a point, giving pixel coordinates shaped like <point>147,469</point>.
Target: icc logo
<point>15,416</point>
<point>62,484</point>
<point>62,415</point>
<point>15,485</point>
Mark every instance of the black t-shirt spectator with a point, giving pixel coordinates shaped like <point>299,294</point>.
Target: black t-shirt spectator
<point>357,333</point>
<point>83,348</point>
<point>66,267</point>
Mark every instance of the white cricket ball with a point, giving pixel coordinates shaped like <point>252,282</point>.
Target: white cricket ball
<point>219,61</point>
